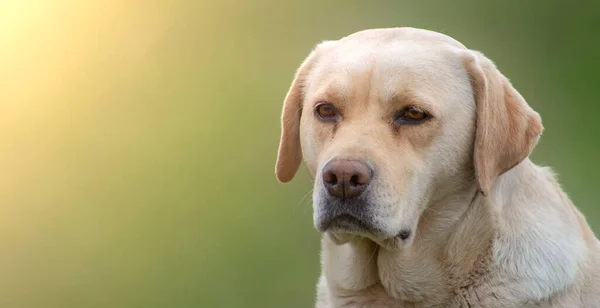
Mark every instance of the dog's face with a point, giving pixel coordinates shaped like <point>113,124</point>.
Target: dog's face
<point>389,121</point>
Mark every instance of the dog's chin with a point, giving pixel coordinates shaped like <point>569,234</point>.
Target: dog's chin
<point>347,229</point>
<point>340,238</point>
<point>394,243</point>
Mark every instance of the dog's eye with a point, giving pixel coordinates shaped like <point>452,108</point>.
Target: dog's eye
<point>326,112</point>
<point>410,115</point>
<point>414,114</point>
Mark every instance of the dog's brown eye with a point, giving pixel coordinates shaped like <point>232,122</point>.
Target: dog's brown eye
<point>326,111</point>
<point>410,115</point>
<point>414,114</point>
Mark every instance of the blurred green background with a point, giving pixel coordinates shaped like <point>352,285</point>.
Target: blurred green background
<point>138,138</point>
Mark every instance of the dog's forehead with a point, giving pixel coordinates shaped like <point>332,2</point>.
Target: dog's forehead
<point>387,65</point>
<point>386,35</point>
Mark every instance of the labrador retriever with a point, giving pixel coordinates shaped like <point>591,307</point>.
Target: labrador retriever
<point>418,149</point>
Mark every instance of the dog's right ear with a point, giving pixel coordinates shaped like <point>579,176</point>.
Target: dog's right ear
<point>289,155</point>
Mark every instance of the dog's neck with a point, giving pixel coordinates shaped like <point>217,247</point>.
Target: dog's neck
<point>456,240</point>
<point>452,241</point>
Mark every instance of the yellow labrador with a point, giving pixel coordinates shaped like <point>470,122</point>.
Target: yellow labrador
<point>423,188</point>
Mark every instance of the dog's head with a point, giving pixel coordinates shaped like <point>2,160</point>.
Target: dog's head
<point>388,121</point>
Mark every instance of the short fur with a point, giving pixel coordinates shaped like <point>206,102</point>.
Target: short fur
<point>489,227</point>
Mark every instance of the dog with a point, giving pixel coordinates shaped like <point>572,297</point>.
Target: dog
<point>419,148</point>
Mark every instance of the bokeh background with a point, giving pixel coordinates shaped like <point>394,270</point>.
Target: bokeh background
<point>138,138</point>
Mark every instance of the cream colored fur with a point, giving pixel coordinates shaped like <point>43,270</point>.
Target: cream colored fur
<point>490,228</point>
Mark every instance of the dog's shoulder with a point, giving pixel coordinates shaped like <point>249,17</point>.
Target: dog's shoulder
<point>541,247</point>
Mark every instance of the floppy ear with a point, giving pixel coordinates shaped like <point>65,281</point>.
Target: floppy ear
<point>507,128</point>
<point>289,155</point>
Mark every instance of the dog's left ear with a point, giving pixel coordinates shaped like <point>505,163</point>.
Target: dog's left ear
<point>507,128</point>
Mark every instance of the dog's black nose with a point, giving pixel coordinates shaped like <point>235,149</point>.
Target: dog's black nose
<point>346,178</point>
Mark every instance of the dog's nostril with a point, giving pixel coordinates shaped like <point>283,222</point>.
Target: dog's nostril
<point>330,178</point>
<point>360,179</point>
